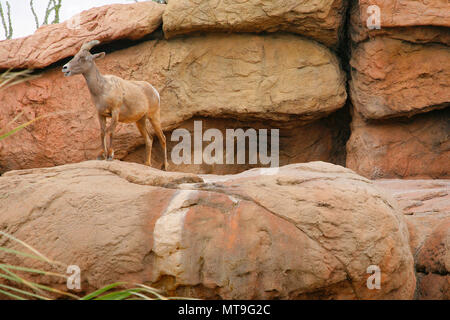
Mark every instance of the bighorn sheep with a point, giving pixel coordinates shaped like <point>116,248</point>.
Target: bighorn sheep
<point>121,100</point>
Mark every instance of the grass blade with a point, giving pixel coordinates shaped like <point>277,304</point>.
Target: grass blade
<point>35,286</point>
<point>118,295</point>
<point>27,245</point>
<point>30,270</point>
<point>102,290</point>
<point>24,292</point>
<point>18,279</point>
<point>23,254</point>
<point>11,295</point>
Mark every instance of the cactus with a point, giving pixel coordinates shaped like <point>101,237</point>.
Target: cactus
<point>52,6</point>
<point>6,20</point>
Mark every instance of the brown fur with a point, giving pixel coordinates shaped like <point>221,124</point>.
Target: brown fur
<point>121,100</point>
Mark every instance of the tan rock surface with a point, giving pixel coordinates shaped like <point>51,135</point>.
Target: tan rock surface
<point>317,19</point>
<point>419,197</point>
<point>391,78</point>
<point>54,42</point>
<point>302,231</point>
<point>246,77</point>
<point>321,140</point>
<point>401,148</point>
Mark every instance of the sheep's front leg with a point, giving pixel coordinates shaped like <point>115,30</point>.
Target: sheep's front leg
<point>110,133</point>
<point>104,152</point>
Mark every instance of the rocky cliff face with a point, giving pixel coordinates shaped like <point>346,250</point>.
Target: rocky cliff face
<point>301,231</point>
<point>426,204</point>
<point>399,75</point>
<point>373,100</point>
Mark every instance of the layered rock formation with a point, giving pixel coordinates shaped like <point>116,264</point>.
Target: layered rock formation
<point>246,77</point>
<point>400,72</point>
<point>316,19</point>
<point>54,42</point>
<point>427,206</point>
<point>391,78</point>
<point>418,147</point>
<point>300,231</point>
<point>413,21</point>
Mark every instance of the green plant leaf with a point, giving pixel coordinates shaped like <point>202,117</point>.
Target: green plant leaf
<point>11,295</point>
<point>42,272</point>
<point>102,290</point>
<point>24,292</point>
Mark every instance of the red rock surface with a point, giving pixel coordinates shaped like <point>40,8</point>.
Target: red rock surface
<point>54,42</point>
<point>420,197</point>
<point>300,231</point>
<point>405,13</point>
<point>426,204</point>
<point>432,257</point>
<point>418,32</point>
<point>401,148</point>
<point>391,78</point>
<point>216,77</point>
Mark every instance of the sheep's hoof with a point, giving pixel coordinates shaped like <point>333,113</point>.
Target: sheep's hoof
<point>101,156</point>
<point>110,156</point>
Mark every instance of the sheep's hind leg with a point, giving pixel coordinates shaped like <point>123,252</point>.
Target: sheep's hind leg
<point>104,152</point>
<point>156,123</point>
<point>110,134</point>
<point>141,125</point>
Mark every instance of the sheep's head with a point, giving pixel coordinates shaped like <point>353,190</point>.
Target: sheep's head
<point>83,60</point>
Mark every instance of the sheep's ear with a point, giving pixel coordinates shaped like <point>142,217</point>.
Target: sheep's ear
<point>100,55</point>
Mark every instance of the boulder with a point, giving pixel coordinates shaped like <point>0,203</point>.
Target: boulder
<point>426,204</point>
<point>421,29</point>
<point>418,147</point>
<point>299,231</point>
<point>430,244</point>
<point>393,78</point>
<point>419,197</point>
<point>321,140</point>
<point>315,19</point>
<point>281,78</point>
<point>406,13</point>
<point>54,42</point>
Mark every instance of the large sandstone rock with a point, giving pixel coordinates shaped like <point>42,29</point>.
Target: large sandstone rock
<point>300,231</point>
<point>422,28</point>
<point>54,42</point>
<point>427,206</point>
<point>316,19</point>
<point>433,261</point>
<point>430,244</point>
<point>322,140</point>
<point>402,148</point>
<point>280,78</point>
<point>419,197</point>
<point>405,13</point>
<point>392,78</point>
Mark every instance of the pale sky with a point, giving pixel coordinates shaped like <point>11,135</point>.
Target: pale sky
<point>23,20</point>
